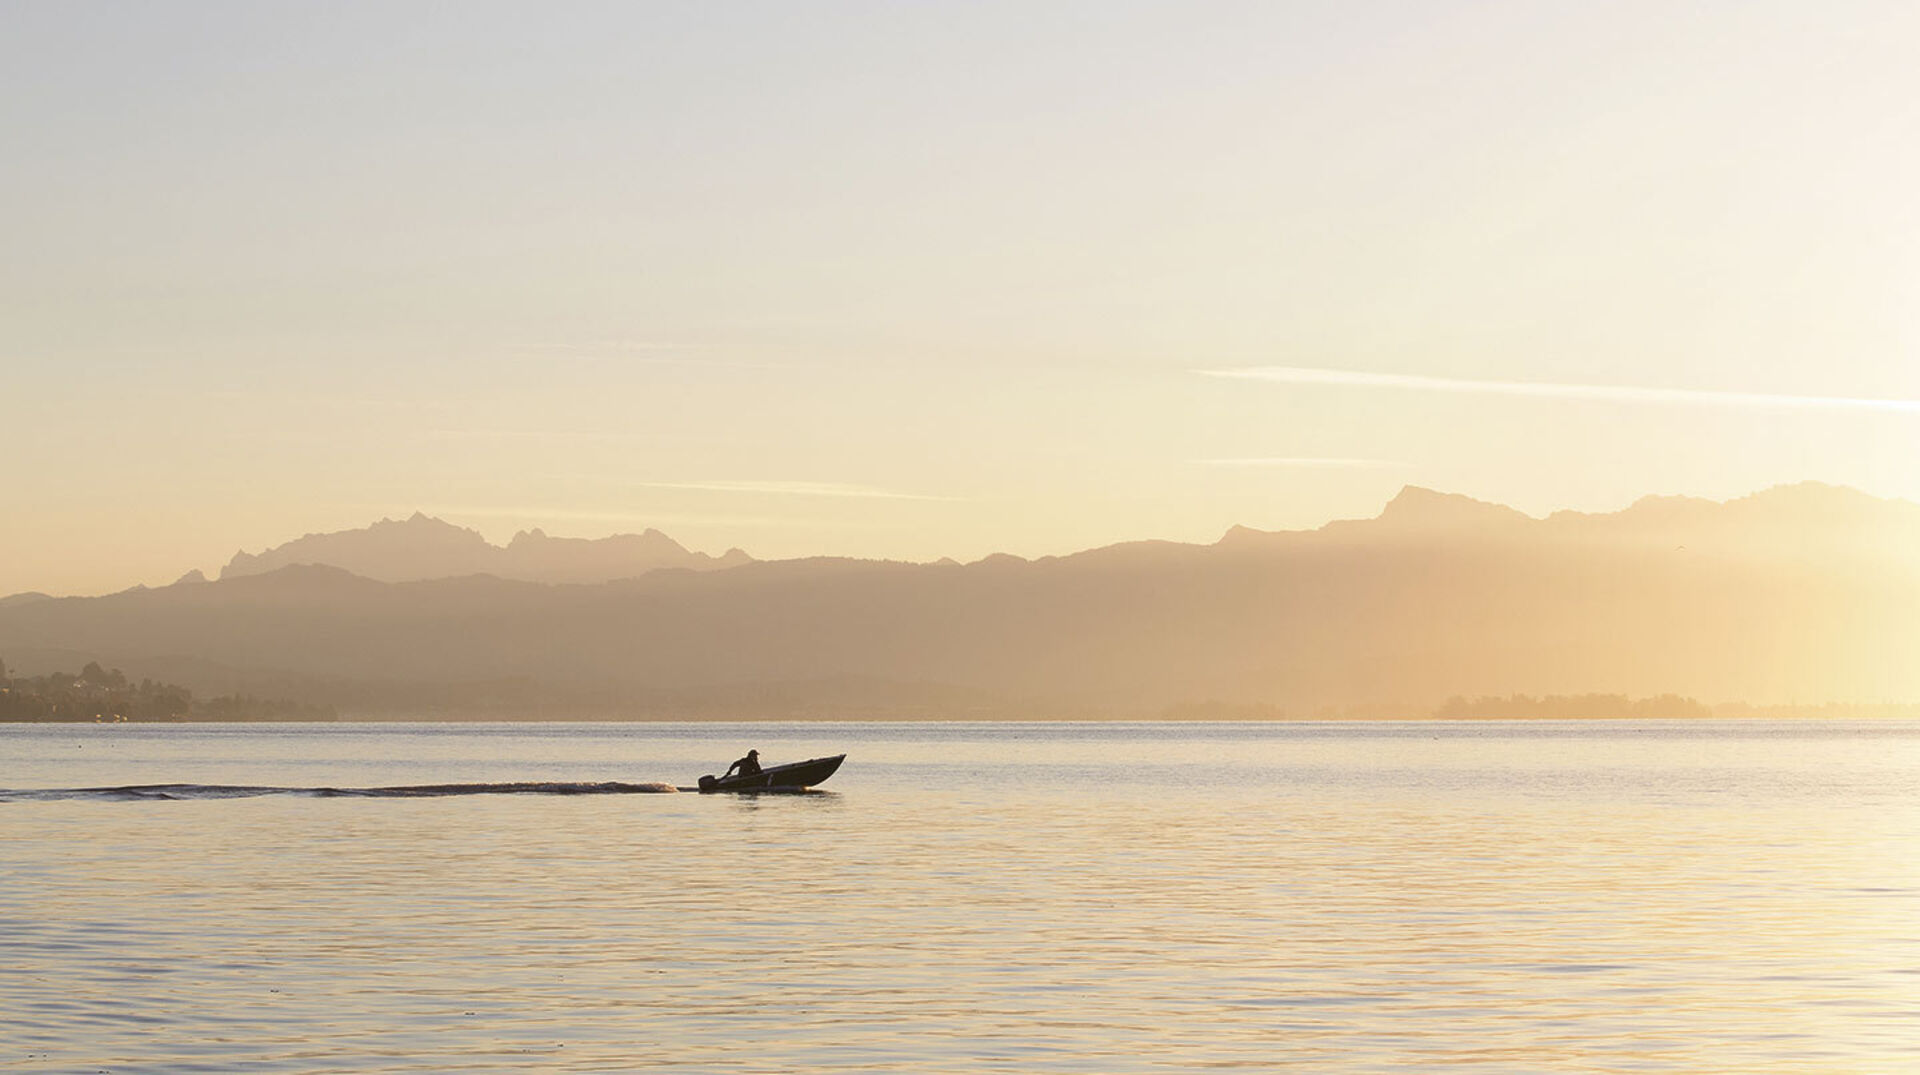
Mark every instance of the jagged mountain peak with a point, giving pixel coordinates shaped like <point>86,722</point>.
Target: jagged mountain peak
<point>1420,506</point>
<point>649,536</point>
<point>424,547</point>
<point>419,521</point>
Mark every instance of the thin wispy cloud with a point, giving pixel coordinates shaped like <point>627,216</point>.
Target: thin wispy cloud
<point>641,352</point>
<point>1550,390</point>
<point>532,435</point>
<point>254,397</point>
<point>614,517</point>
<point>1304,461</point>
<point>621,346</point>
<point>792,488</point>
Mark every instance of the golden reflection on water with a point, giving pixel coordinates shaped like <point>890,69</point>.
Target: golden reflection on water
<point>1345,902</point>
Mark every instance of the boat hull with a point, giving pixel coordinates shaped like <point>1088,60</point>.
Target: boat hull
<point>791,777</point>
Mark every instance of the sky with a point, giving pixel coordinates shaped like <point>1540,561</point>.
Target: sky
<point>924,280</point>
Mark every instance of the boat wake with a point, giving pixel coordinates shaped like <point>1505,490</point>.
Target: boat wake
<point>164,792</point>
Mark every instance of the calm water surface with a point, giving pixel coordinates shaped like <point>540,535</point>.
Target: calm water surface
<point>1034,897</point>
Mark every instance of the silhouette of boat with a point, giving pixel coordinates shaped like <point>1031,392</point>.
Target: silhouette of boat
<point>790,777</point>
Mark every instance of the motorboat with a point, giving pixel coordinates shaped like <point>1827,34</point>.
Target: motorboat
<point>794,776</point>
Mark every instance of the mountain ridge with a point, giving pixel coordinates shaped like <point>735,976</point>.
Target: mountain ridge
<point>1804,595</point>
<point>422,547</point>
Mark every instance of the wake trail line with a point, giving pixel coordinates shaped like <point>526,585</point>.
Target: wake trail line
<point>170,792</point>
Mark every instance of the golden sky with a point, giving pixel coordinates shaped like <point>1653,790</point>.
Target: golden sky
<point>924,280</point>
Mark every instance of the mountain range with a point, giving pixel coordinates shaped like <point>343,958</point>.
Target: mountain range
<point>422,547</point>
<point>1800,593</point>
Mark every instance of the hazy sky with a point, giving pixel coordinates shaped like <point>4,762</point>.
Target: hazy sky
<point>923,280</point>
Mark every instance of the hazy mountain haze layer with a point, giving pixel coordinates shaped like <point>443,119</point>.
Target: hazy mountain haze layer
<point>1800,593</point>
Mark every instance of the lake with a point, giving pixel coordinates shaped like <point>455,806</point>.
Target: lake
<point>1579,896</point>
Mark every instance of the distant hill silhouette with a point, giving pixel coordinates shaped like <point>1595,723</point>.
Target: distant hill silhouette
<point>423,547</point>
<point>27,598</point>
<point>1801,593</point>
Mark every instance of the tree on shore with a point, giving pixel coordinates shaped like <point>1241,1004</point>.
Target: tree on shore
<point>1572,707</point>
<point>106,695</point>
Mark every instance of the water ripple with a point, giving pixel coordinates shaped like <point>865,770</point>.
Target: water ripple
<point>1373,903</point>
